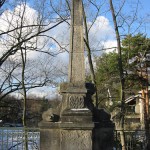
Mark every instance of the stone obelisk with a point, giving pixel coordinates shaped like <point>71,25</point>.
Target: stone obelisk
<point>75,116</point>
<point>74,91</point>
<point>76,63</point>
<point>72,130</point>
<point>75,124</point>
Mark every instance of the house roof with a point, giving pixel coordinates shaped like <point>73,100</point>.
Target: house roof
<point>131,98</point>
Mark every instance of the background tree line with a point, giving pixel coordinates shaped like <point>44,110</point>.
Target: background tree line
<point>11,109</point>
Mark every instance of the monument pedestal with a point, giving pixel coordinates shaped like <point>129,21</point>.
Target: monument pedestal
<point>81,126</point>
<point>65,136</point>
<point>74,129</point>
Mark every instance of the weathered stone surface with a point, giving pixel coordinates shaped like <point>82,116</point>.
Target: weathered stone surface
<point>77,115</point>
<point>76,63</point>
<point>75,136</point>
<point>76,140</point>
<point>76,95</point>
<point>77,126</point>
<point>78,87</point>
<point>49,139</point>
<point>65,136</point>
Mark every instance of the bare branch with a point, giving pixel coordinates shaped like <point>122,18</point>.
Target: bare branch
<point>15,47</point>
<point>2,2</point>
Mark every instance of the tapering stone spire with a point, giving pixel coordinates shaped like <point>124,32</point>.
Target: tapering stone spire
<point>76,64</point>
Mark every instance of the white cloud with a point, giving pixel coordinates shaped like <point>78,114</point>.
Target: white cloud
<point>45,92</point>
<point>110,46</point>
<point>12,19</point>
<point>61,34</point>
<point>101,35</point>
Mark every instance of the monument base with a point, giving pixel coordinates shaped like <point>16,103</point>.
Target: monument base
<point>76,124</point>
<point>75,136</point>
<point>65,136</point>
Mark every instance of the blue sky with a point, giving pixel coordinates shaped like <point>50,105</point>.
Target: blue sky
<point>143,9</point>
<point>102,32</point>
<point>146,10</point>
<point>146,4</point>
<point>128,10</point>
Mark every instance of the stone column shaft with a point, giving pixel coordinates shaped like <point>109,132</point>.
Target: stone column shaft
<point>76,64</point>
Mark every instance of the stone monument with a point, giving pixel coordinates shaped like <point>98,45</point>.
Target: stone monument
<point>74,124</point>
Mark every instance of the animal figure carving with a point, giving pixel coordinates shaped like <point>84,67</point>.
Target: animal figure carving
<point>50,115</point>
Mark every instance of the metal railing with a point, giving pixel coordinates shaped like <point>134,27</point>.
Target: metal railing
<point>135,140</point>
<point>16,138</point>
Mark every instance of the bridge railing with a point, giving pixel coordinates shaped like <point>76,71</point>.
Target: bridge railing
<point>134,139</point>
<point>14,138</point>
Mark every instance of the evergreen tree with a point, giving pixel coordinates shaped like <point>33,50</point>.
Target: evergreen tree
<point>134,49</point>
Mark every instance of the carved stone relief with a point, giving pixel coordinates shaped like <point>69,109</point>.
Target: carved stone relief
<point>76,101</point>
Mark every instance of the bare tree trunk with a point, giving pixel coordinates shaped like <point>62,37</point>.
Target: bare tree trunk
<point>2,2</point>
<point>86,41</point>
<point>121,76</point>
<point>23,57</point>
<point>24,90</point>
<point>146,111</point>
<point>24,98</point>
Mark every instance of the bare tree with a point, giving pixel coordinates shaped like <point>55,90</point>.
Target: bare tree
<point>28,36</point>
<point>32,31</point>
<point>86,40</point>
<point>121,23</point>
<point>122,80</point>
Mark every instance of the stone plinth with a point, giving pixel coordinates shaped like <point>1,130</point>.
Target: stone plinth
<point>76,95</point>
<point>74,103</point>
<point>75,136</point>
<point>49,135</point>
<point>65,136</point>
<point>81,126</point>
<point>74,129</point>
